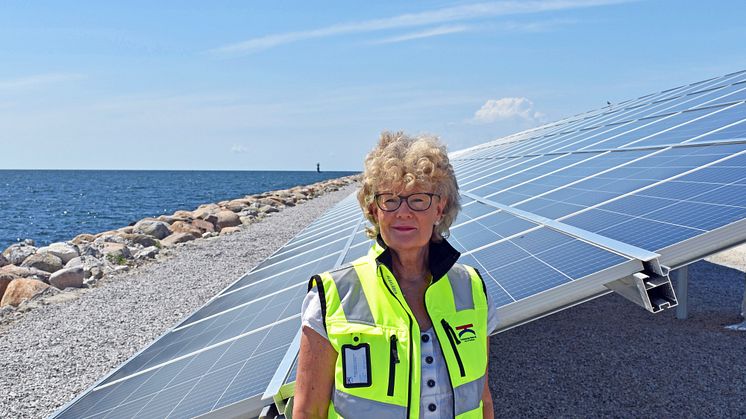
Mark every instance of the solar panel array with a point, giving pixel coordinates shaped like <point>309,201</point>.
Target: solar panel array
<point>549,216</point>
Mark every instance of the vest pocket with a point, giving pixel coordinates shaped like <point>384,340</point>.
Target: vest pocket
<point>454,341</point>
<point>393,360</point>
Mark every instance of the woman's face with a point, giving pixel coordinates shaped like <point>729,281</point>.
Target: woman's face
<point>405,229</point>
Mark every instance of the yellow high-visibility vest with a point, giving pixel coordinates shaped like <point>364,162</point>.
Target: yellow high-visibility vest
<point>370,325</point>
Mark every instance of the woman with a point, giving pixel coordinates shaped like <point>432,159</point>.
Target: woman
<point>401,332</point>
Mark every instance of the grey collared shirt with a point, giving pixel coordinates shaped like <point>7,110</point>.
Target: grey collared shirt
<point>436,396</point>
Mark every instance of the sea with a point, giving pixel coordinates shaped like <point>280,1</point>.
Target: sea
<point>56,205</point>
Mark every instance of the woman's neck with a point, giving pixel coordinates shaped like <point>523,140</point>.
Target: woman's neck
<point>411,265</point>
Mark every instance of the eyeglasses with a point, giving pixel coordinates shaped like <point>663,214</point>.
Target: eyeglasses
<point>420,201</point>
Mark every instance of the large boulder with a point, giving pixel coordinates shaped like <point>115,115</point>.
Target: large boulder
<point>204,211</point>
<point>184,227</point>
<point>147,253</point>
<point>43,261</point>
<point>116,253</point>
<point>227,218</point>
<point>92,267</point>
<point>183,215</point>
<point>63,251</point>
<point>26,272</point>
<point>177,238</point>
<point>83,239</point>
<point>69,277</point>
<point>157,229</point>
<point>17,253</point>
<point>204,226</point>
<point>142,239</point>
<point>229,230</point>
<point>5,279</point>
<point>21,289</point>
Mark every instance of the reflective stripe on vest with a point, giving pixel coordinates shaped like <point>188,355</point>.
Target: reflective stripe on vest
<point>364,310</point>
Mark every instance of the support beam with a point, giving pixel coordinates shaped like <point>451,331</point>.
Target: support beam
<point>682,292</point>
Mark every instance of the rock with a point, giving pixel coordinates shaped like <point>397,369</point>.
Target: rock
<point>228,219</point>
<point>70,277</point>
<point>5,310</point>
<point>83,239</point>
<point>22,289</point>
<point>43,261</point>
<point>229,230</point>
<point>142,239</point>
<point>237,205</point>
<point>107,234</point>
<point>204,211</point>
<point>3,261</point>
<point>184,227</point>
<point>116,253</point>
<point>204,226</point>
<point>157,229</point>
<point>87,250</point>
<point>170,219</point>
<point>29,242</point>
<point>17,253</point>
<point>26,272</point>
<point>5,280</point>
<point>63,251</point>
<point>209,235</point>
<point>249,212</point>
<point>267,209</point>
<point>177,238</point>
<point>182,215</point>
<point>246,220</point>
<point>89,264</point>
<point>147,253</point>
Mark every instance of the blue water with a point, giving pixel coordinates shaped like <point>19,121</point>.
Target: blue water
<point>56,205</point>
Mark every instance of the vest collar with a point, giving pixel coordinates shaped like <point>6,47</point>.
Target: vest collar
<point>442,256</point>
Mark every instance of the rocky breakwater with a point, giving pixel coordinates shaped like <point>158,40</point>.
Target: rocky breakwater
<point>31,275</point>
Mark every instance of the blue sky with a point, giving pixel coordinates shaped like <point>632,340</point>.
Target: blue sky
<point>286,84</point>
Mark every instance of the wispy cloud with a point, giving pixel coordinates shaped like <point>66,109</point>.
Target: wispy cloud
<point>507,108</point>
<point>433,17</point>
<point>536,26</point>
<point>239,149</point>
<point>438,31</point>
<point>37,80</point>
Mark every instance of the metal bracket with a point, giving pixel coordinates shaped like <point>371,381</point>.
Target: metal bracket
<point>652,292</point>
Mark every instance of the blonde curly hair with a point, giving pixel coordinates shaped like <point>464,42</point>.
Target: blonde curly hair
<point>404,162</point>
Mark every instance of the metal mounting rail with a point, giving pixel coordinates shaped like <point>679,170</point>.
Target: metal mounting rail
<point>650,289</point>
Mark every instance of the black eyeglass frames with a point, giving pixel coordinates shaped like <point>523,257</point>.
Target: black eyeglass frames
<point>420,201</point>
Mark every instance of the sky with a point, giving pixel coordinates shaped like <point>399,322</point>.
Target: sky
<point>283,85</point>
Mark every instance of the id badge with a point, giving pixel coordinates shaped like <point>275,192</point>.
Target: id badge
<point>356,365</point>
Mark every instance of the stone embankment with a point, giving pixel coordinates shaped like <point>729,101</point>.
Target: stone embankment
<point>29,275</point>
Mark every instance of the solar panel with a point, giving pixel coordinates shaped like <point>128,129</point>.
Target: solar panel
<point>552,217</point>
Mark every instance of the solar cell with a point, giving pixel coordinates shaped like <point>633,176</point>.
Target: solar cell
<point>550,216</point>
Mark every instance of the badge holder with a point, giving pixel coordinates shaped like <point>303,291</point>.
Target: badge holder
<point>356,365</point>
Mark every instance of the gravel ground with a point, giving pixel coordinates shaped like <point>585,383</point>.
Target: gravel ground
<point>610,358</point>
<point>54,352</point>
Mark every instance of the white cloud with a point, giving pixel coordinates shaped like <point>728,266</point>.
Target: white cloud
<point>37,80</point>
<point>438,31</point>
<point>507,108</point>
<point>409,20</point>
<point>239,149</point>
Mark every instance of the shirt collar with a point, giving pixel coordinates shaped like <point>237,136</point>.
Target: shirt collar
<point>442,256</point>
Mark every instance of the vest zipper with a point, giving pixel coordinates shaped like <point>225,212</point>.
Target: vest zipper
<point>411,345</point>
<point>453,339</point>
<point>448,367</point>
<point>393,360</point>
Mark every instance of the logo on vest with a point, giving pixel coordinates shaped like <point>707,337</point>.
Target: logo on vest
<point>466,333</point>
